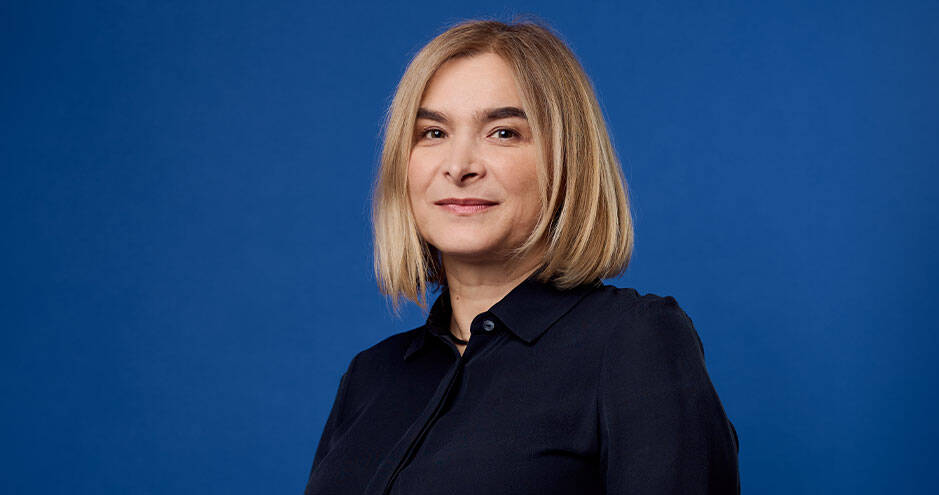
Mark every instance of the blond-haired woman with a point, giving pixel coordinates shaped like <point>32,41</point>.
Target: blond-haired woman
<point>498,184</point>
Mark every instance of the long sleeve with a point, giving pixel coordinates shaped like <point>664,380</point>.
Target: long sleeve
<point>663,428</point>
<point>334,418</point>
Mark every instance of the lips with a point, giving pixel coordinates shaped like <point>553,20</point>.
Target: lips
<point>466,206</point>
<point>465,202</point>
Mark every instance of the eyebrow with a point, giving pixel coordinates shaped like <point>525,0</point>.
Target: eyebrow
<point>487,115</point>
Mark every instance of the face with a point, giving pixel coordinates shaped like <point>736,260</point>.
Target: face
<point>472,174</point>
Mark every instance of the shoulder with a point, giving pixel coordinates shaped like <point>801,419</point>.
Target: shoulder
<point>653,357</point>
<point>372,368</point>
<point>387,352</point>
<point>644,324</point>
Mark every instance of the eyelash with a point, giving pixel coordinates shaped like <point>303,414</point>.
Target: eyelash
<point>515,133</point>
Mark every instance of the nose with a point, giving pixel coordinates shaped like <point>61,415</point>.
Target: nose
<point>463,163</point>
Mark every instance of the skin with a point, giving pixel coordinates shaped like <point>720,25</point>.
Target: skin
<point>459,153</point>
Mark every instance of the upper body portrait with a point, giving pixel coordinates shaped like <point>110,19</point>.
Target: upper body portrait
<point>498,185</point>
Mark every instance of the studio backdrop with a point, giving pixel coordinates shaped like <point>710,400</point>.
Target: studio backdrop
<point>186,245</point>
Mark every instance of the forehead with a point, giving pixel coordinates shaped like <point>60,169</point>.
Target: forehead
<point>467,83</point>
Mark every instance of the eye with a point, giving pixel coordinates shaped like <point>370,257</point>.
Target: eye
<point>434,133</point>
<point>506,133</point>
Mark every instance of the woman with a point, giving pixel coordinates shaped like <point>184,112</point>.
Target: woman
<point>498,183</point>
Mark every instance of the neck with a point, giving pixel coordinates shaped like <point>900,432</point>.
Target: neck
<point>474,288</point>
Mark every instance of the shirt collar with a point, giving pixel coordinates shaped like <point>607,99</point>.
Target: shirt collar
<point>527,311</point>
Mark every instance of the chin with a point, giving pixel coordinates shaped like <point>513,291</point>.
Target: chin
<point>465,250</point>
<point>466,247</point>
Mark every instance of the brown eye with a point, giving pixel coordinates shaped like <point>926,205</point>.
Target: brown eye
<point>506,133</point>
<point>434,133</point>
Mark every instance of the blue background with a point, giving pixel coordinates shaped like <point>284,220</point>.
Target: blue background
<point>186,253</point>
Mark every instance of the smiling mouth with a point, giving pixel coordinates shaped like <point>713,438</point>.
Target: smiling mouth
<point>467,209</point>
<point>466,206</point>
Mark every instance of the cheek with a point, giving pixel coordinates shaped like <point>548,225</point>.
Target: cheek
<point>525,187</point>
<point>418,175</point>
<point>417,189</point>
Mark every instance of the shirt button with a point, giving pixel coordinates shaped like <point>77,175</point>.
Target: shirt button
<point>488,325</point>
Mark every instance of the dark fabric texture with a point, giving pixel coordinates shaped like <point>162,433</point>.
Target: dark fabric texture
<point>592,390</point>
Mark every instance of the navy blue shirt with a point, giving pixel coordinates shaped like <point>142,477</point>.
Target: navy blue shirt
<point>592,390</point>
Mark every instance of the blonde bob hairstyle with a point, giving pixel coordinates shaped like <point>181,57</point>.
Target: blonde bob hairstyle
<point>585,227</point>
